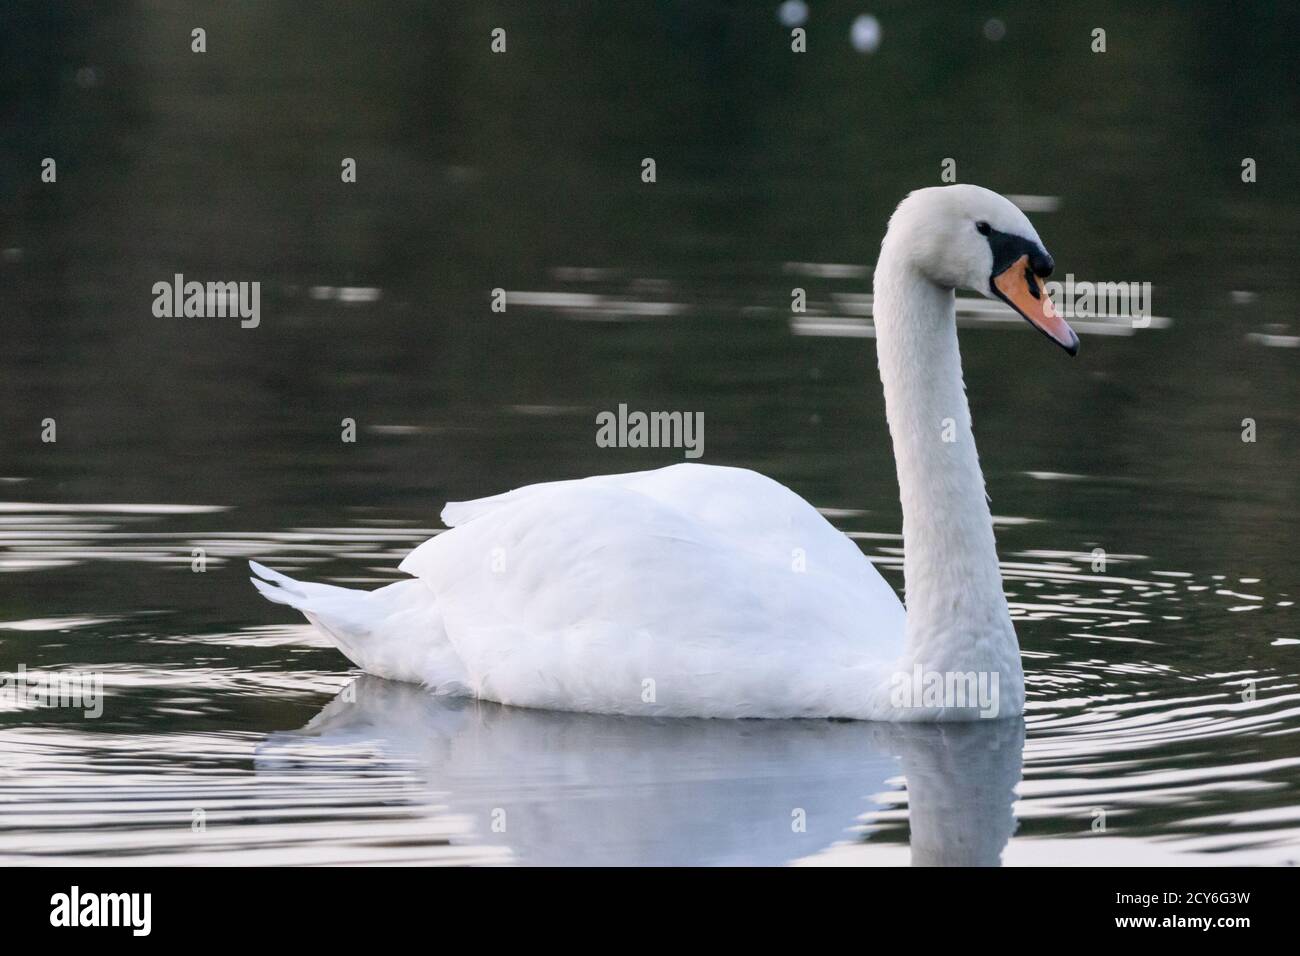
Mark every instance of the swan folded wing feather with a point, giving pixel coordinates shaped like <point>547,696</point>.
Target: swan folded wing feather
<point>456,513</point>
<point>753,511</point>
<point>762,515</point>
<point>578,593</point>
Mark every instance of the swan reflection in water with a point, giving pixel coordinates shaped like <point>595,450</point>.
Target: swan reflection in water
<point>557,788</point>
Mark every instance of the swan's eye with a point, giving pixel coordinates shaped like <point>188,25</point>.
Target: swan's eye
<point>982,228</point>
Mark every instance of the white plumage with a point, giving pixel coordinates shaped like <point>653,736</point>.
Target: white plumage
<point>693,590</point>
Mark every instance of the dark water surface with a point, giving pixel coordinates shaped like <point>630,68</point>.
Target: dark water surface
<point>1164,691</point>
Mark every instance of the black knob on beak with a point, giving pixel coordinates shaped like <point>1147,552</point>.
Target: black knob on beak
<point>1041,262</point>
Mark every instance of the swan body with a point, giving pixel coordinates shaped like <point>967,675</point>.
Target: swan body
<point>692,590</point>
<point>705,591</point>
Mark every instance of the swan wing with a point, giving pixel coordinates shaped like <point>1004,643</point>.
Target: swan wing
<point>457,513</point>
<point>754,513</point>
<point>688,590</point>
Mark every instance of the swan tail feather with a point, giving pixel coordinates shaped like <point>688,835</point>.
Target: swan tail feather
<point>395,631</point>
<point>345,615</point>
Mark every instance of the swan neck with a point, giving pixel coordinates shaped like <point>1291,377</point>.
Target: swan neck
<point>957,616</point>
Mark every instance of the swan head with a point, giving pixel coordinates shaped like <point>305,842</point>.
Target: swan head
<point>964,236</point>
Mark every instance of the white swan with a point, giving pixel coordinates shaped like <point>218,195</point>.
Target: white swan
<point>706,591</point>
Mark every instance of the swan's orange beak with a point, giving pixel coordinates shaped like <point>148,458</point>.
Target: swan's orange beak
<point>1019,288</point>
